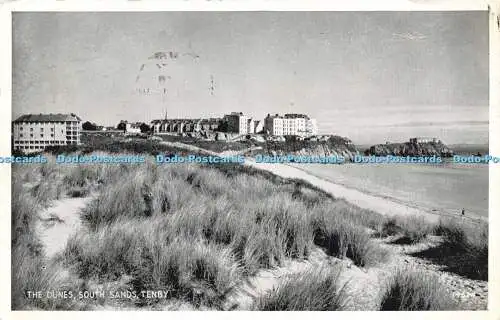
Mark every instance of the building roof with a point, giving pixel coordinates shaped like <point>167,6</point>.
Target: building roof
<point>51,117</point>
<point>296,115</point>
<point>188,120</point>
<point>289,116</point>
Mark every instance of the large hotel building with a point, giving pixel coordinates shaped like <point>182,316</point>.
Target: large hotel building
<point>290,125</point>
<point>34,132</point>
<point>239,123</point>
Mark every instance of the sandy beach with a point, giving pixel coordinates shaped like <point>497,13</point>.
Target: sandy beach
<point>363,200</point>
<point>382,205</point>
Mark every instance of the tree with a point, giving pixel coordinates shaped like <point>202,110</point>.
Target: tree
<point>145,128</point>
<point>89,126</point>
<point>122,125</point>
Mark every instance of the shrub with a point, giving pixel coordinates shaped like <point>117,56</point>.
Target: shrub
<point>389,228</point>
<point>361,217</point>
<point>290,218</point>
<point>203,274</point>
<point>31,273</point>
<point>157,259</point>
<point>411,290</point>
<point>312,290</point>
<point>171,193</point>
<point>342,238</point>
<point>264,247</point>
<point>108,252</point>
<point>208,181</point>
<point>24,209</point>
<point>129,197</point>
<point>412,228</point>
<point>464,249</point>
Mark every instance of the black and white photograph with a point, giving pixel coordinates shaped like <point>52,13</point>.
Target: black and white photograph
<point>250,160</point>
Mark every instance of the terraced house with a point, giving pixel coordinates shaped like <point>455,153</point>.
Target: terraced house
<point>35,132</point>
<point>185,125</point>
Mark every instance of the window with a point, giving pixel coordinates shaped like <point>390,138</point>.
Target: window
<point>21,128</point>
<point>31,129</point>
<point>52,135</point>
<point>31,135</point>
<point>41,135</point>
<point>21,135</point>
<point>52,129</point>
<point>41,129</point>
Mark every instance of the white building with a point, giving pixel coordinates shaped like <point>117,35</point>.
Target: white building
<point>239,123</point>
<point>35,132</point>
<point>424,140</point>
<point>133,127</point>
<point>290,125</point>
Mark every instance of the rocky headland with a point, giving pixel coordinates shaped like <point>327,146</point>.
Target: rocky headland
<point>411,149</point>
<point>325,145</point>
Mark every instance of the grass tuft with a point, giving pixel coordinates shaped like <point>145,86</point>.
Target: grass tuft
<point>464,249</point>
<point>312,290</point>
<point>411,290</point>
<point>343,238</point>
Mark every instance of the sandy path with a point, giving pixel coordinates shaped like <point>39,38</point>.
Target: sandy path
<point>58,222</point>
<point>264,281</point>
<point>362,285</point>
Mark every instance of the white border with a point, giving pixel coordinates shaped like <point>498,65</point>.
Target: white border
<point>245,5</point>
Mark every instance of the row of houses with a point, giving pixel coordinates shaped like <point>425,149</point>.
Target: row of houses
<point>185,125</point>
<point>35,132</point>
<point>239,123</point>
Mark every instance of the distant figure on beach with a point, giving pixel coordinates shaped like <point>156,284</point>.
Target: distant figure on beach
<point>463,212</point>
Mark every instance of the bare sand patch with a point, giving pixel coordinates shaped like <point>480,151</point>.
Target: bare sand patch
<point>58,222</point>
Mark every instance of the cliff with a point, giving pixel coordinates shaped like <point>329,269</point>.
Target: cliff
<point>410,149</point>
<point>313,146</point>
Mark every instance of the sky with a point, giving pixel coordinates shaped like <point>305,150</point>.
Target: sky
<point>369,76</point>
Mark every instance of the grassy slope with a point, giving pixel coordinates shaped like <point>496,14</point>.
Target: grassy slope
<point>194,231</point>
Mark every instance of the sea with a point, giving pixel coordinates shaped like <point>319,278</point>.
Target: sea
<point>447,187</point>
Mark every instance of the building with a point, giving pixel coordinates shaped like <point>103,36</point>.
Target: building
<point>35,132</point>
<point>424,140</point>
<point>254,126</point>
<point>290,125</point>
<point>133,127</point>
<point>239,123</point>
<point>185,125</point>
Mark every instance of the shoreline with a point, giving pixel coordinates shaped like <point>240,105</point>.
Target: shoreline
<point>440,211</point>
<point>385,205</point>
<point>381,204</point>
